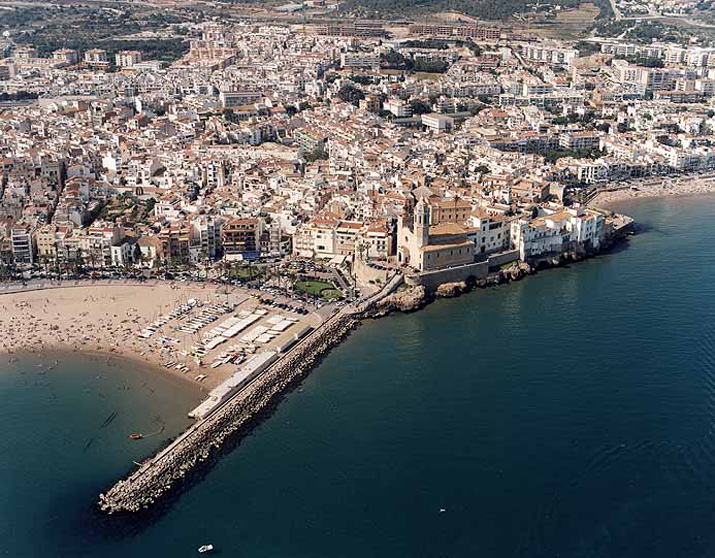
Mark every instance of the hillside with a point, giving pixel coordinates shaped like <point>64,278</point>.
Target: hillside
<point>483,9</point>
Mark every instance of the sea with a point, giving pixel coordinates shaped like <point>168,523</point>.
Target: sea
<point>571,414</point>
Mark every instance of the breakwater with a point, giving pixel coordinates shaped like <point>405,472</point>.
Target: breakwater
<point>158,475</point>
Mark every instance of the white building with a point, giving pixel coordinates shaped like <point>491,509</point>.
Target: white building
<point>127,58</point>
<point>549,54</point>
<point>96,58</point>
<point>438,122</point>
<point>359,60</point>
<point>122,254</point>
<point>399,108</point>
<point>490,233</point>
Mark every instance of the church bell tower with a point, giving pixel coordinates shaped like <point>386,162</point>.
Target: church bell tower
<point>421,222</point>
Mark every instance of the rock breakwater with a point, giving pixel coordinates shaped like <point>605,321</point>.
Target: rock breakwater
<point>156,477</point>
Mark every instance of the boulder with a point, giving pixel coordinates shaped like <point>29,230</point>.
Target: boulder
<point>447,290</point>
<point>405,300</point>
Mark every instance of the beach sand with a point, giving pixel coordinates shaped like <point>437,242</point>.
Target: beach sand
<point>106,319</point>
<point>658,188</point>
<point>95,319</point>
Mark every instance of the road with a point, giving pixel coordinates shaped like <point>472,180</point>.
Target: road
<point>617,15</point>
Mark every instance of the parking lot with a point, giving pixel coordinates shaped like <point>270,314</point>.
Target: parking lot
<point>207,339</point>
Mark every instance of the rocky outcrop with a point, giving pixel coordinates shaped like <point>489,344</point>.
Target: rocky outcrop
<point>404,300</point>
<point>517,270</point>
<point>449,290</point>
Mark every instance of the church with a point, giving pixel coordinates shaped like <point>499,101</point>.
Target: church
<point>426,247</point>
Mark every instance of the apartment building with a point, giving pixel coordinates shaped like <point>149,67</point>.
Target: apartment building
<point>66,56</point>
<point>359,60</point>
<point>438,122</point>
<point>175,243</point>
<point>489,232</point>
<point>350,29</point>
<point>127,58</point>
<point>7,70</point>
<point>240,239</point>
<point>579,141</point>
<point>231,99</point>
<point>398,107</point>
<point>23,244</point>
<point>477,32</point>
<point>549,54</point>
<point>96,58</point>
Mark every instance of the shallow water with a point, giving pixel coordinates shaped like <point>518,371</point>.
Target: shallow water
<point>570,414</point>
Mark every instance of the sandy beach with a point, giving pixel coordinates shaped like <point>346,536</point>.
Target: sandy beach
<point>99,319</point>
<point>107,319</point>
<point>658,188</point>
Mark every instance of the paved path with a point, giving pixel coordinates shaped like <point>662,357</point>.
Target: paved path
<point>43,284</point>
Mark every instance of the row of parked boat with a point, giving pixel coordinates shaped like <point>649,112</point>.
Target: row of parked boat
<point>207,315</point>
<point>180,366</point>
<point>161,321</point>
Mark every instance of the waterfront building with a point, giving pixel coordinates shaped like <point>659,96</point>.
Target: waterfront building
<point>23,244</point>
<point>175,243</point>
<point>427,248</point>
<point>240,238</point>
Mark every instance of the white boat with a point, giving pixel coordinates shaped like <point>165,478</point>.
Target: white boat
<point>206,548</point>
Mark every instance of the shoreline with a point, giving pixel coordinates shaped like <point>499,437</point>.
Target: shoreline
<point>49,355</point>
<point>49,351</point>
<point>180,462</point>
<point>148,325</point>
<point>96,320</point>
<point>681,187</point>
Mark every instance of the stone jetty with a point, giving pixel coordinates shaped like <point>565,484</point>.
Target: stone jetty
<point>158,475</point>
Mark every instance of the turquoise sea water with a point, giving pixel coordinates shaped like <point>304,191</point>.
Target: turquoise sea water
<point>570,415</point>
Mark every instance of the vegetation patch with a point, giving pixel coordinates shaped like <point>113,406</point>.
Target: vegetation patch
<point>82,27</point>
<point>484,9</point>
<point>244,272</point>
<point>323,289</point>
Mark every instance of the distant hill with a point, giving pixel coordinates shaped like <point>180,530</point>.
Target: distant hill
<point>484,9</point>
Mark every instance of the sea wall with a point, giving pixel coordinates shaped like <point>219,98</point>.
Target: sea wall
<point>156,477</point>
<point>430,280</point>
<point>433,280</point>
<point>503,258</point>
